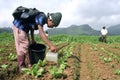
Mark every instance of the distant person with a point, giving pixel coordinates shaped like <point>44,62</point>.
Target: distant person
<point>21,30</point>
<point>104,33</point>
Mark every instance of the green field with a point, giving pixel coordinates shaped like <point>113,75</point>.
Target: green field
<point>82,58</point>
<point>8,38</point>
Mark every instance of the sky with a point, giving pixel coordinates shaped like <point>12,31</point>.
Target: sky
<point>96,13</point>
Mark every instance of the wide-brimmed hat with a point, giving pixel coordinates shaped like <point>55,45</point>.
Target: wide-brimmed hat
<point>56,18</point>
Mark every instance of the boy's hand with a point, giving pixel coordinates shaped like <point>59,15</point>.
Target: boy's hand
<point>53,49</point>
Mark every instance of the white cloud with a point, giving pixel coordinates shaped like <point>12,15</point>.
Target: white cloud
<point>96,13</point>
<point>114,19</point>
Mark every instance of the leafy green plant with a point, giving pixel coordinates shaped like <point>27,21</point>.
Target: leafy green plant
<point>4,66</point>
<point>117,72</point>
<point>107,60</point>
<point>35,70</point>
<point>2,50</point>
<point>42,63</point>
<point>12,56</point>
<point>94,48</point>
<point>55,72</point>
<point>63,65</point>
<point>61,61</point>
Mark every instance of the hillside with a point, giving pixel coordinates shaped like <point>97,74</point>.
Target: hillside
<point>114,30</point>
<point>74,30</point>
<point>5,29</point>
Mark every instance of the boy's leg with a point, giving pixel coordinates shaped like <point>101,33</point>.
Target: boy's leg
<point>20,55</point>
<point>24,44</point>
<point>21,42</point>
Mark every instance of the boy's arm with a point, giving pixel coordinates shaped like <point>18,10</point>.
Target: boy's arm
<point>32,36</point>
<point>46,40</point>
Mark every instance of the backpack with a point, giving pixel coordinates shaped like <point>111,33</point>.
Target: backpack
<point>24,13</point>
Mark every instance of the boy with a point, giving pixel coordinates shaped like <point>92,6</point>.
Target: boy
<point>21,29</point>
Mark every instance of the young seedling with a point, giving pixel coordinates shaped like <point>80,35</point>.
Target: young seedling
<point>117,72</point>
<point>12,56</point>
<point>4,66</point>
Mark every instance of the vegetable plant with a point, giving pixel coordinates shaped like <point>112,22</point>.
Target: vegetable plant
<point>107,60</point>
<point>35,70</point>
<point>4,66</point>
<point>42,63</point>
<point>117,72</point>
<point>55,72</point>
<point>12,56</point>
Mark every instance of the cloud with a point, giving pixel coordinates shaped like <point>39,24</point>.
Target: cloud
<point>93,12</point>
<point>96,13</point>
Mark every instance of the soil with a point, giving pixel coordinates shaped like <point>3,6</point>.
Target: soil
<point>93,67</point>
<point>86,63</point>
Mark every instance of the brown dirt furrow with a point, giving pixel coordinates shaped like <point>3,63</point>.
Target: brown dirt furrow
<point>94,68</point>
<point>110,48</point>
<point>85,72</point>
<point>103,70</point>
<point>115,63</point>
<point>76,55</point>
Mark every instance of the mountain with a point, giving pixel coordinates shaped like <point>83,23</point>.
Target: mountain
<point>114,30</point>
<point>5,29</point>
<point>74,30</point>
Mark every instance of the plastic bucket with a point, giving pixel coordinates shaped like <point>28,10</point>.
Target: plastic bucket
<point>36,52</point>
<point>51,56</point>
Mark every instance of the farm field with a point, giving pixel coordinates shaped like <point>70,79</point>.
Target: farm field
<point>80,58</point>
